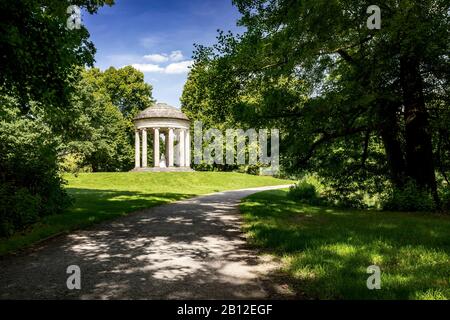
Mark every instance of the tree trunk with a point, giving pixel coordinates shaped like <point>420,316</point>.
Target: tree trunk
<point>389,131</point>
<point>419,152</point>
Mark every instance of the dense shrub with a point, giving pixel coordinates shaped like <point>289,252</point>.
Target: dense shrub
<point>30,186</point>
<point>445,197</point>
<point>73,163</point>
<point>353,200</point>
<point>304,192</point>
<point>409,198</point>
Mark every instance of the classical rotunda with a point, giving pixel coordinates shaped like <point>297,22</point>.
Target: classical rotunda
<point>167,124</point>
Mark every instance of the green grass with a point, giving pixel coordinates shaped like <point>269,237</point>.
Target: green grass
<point>325,252</point>
<point>103,196</point>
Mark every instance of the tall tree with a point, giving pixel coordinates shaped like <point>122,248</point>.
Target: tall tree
<point>104,105</point>
<point>366,87</point>
<point>127,89</point>
<point>39,62</point>
<point>38,53</point>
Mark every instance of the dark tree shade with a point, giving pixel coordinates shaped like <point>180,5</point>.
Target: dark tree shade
<point>38,53</point>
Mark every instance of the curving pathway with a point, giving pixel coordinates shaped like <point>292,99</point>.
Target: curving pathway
<point>190,249</point>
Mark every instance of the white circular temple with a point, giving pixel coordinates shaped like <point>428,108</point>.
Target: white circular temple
<point>166,122</point>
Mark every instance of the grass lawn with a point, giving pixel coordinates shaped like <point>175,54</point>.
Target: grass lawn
<point>104,196</point>
<point>326,251</point>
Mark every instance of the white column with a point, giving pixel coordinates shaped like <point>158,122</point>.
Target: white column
<point>187,158</point>
<point>182,143</point>
<point>170,153</point>
<point>144,148</point>
<point>166,141</point>
<point>176,151</point>
<point>137,147</point>
<point>156,147</point>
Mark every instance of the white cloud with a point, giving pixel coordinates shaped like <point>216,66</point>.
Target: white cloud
<point>157,58</point>
<point>178,67</point>
<point>176,56</point>
<point>147,67</point>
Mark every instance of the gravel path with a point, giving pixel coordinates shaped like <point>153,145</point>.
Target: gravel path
<point>190,249</point>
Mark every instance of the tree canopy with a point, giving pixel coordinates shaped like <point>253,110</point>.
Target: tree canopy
<point>40,60</point>
<point>360,107</point>
<point>39,53</point>
<point>101,131</point>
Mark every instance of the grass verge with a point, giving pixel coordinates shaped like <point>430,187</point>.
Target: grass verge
<point>326,251</point>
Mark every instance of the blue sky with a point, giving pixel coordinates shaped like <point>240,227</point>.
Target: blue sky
<point>157,37</point>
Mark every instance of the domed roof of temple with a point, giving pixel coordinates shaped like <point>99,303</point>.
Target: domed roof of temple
<point>161,110</point>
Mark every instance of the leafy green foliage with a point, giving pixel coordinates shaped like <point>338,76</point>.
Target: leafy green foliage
<point>127,89</point>
<point>409,198</point>
<point>101,132</point>
<point>39,68</point>
<point>38,53</point>
<point>362,108</point>
<point>304,192</point>
<point>446,198</point>
<point>30,186</point>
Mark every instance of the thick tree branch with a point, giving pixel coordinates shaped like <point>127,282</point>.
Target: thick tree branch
<point>327,137</point>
